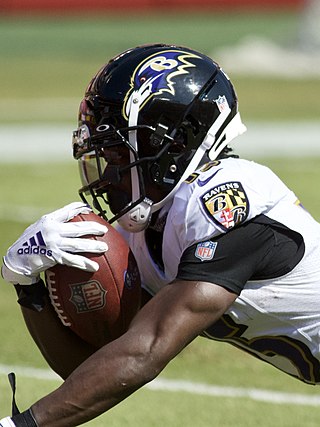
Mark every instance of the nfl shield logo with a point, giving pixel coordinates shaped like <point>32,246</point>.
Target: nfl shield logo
<point>222,103</point>
<point>205,250</point>
<point>88,296</point>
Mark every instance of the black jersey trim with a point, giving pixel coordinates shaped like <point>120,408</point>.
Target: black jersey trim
<point>259,249</point>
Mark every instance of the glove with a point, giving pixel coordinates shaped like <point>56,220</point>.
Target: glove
<point>7,422</point>
<point>53,240</point>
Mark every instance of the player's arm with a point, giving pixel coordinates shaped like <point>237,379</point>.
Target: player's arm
<point>61,242</point>
<point>162,328</point>
<point>62,349</point>
<point>60,346</point>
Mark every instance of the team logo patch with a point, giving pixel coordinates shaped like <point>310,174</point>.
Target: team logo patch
<point>226,204</point>
<point>156,75</point>
<point>205,250</point>
<point>88,296</point>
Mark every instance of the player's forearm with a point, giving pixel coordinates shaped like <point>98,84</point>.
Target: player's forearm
<point>156,335</point>
<point>101,382</point>
<point>61,348</point>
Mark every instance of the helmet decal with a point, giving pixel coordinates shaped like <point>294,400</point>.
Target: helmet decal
<point>222,103</point>
<point>154,75</point>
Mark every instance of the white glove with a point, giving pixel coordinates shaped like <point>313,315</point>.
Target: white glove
<point>7,422</point>
<point>53,240</point>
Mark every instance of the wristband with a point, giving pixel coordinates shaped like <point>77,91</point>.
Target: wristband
<point>25,419</point>
<point>32,296</point>
<point>7,422</point>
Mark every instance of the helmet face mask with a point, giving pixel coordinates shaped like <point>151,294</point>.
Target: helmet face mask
<point>148,118</point>
<point>105,163</point>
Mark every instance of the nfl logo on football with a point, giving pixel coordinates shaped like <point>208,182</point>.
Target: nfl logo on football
<point>205,250</point>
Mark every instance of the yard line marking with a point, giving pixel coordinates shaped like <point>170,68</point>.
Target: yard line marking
<point>29,372</point>
<point>36,142</point>
<point>270,396</point>
<point>164,384</point>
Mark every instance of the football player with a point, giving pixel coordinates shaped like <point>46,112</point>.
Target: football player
<point>224,248</point>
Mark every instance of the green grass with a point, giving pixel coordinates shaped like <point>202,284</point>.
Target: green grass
<point>45,66</point>
<point>46,63</point>
<point>154,409</point>
<point>48,186</point>
<point>89,37</point>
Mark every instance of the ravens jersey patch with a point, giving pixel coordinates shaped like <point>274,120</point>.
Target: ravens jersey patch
<point>226,204</point>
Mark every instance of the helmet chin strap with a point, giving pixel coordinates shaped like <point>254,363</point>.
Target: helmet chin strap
<point>137,218</point>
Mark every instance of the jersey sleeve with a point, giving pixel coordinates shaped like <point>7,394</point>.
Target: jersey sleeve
<point>259,249</point>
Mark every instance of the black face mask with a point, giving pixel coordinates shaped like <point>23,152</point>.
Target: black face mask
<point>117,199</point>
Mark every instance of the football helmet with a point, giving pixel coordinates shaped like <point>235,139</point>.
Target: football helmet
<point>148,118</point>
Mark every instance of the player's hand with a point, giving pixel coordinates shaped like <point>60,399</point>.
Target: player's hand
<point>53,240</point>
<point>7,422</point>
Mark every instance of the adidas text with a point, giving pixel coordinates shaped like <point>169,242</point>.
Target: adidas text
<point>34,250</point>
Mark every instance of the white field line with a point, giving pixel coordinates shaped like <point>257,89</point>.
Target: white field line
<point>270,396</point>
<point>32,143</point>
<point>161,384</point>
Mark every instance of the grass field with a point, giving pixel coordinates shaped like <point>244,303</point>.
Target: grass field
<point>47,186</point>
<point>45,61</point>
<point>45,67</point>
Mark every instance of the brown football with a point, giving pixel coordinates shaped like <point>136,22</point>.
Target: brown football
<point>98,306</point>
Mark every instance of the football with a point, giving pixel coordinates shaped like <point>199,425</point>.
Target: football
<point>98,306</point>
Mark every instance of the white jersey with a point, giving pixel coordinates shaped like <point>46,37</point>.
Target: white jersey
<point>277,319</point>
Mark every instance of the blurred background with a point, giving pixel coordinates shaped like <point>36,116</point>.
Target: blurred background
<point>49,50</point>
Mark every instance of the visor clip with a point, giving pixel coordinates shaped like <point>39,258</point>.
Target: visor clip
<point>158,136</point>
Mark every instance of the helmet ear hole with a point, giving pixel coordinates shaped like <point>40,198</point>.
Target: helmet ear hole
<point>194,125</point>
<point>190,133</point>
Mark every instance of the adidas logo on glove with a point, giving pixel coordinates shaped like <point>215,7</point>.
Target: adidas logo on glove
<point>35,246</point>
